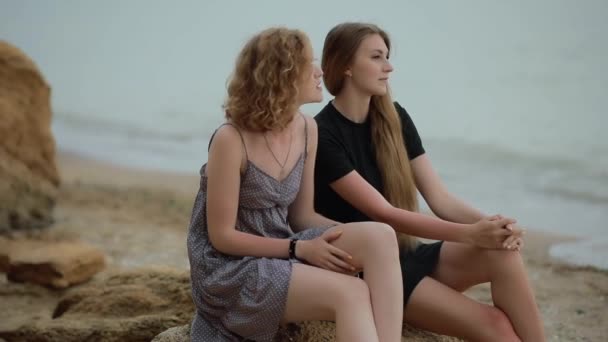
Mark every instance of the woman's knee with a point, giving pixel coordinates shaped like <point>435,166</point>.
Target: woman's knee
<point>380,235</point>
<point>500,259</point>
<point>369,240</point>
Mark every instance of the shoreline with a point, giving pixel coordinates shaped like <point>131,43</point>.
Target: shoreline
<point>78,167</point>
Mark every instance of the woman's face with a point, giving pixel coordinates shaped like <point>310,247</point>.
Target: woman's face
<point>310,89</point>
<point>370,69</point>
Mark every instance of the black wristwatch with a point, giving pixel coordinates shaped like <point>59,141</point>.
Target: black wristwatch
<point>292,248</point>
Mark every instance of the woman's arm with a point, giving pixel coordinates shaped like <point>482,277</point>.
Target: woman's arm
<point>302,213</point>
<point>359,193</point>
<point>449,207</point>
<point>443,204</point>
<point>223,175</point>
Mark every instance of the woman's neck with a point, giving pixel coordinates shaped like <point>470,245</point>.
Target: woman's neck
<point>285,131</point>
<point>352,105</point>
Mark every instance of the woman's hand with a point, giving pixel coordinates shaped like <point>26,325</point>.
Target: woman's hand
<point>490,232</point>
<point>515,241</point>
<point>515,244</point>
<point>321,253</point>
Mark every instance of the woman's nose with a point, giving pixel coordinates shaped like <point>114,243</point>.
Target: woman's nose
<point>388,67</point>
<point>319,72</point>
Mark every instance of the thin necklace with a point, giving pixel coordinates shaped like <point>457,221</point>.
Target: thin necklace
<point>282,165</point>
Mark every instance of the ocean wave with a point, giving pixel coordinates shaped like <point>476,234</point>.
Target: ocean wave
<point>585,252</point>
<point>591,197</point>
<point>584,184</point>
<point>490,154</point>
<point>584,180</point>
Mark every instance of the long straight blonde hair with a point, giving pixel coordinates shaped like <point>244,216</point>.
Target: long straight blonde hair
<point>339,49</point>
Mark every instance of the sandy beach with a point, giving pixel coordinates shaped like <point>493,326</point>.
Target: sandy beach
<point>140,218</point>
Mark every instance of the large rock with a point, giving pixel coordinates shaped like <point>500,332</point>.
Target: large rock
<point>56,264</point>
<point>125,306</point>
<point>28,174</point>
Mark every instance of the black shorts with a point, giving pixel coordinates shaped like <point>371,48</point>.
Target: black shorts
<point>417,264</point>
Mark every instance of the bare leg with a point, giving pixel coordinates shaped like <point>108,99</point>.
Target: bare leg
<point>462,266</point>
<point>318,294</point>
<point>374,247</point>
<point>435,307</point>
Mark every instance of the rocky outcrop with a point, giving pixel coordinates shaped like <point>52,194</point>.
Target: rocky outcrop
<point>126,306</point>
<point>28,174</point>
<point>149,305</point>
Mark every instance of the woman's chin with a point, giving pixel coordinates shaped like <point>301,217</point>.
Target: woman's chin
<point>381,91</point>
<point>315,99</point>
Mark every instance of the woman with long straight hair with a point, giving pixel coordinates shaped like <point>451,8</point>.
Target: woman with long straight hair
<point>370,165</point>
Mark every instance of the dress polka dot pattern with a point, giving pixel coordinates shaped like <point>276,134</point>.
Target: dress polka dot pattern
<point>243,298</point>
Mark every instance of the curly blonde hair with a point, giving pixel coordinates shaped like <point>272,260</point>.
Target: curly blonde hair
<point>263,89</point>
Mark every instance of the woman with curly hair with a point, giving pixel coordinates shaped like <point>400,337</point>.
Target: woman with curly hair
<point>259,253</point>
<point>371,164</point>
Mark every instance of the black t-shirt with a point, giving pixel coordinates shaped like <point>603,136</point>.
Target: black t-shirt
<point>345,146</point>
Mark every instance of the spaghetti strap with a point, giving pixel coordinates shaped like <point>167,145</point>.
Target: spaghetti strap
<point>305,136</point>
<point>238,131</point>
<point>242,139</point>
